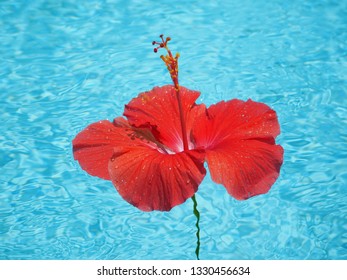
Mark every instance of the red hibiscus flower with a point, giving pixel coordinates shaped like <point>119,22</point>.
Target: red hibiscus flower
<point>155,155</point>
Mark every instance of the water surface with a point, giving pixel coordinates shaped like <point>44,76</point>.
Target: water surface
<point>66,64</point>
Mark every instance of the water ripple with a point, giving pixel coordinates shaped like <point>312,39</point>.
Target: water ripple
<point>66,65</point>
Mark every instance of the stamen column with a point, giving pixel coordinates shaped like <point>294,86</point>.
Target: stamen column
<point>171,63</point>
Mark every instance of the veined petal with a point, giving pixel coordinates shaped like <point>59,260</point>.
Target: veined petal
<point>239,139</point>
<point>158,109</point>
<point>151,180</point>
<point>245,167</point>
<point>139,166</point>
<point>236,119</point>
<point>93,146</point>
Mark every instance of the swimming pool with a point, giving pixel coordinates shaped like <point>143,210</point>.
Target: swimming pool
<point>65,65</point>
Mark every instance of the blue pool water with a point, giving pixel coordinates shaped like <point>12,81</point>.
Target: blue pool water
<point>65,65</point>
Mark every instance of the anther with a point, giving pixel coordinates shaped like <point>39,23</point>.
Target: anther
<point>170,61</point>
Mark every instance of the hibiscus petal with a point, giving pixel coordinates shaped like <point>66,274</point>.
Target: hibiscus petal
<point>239,139</point>
<point>237,119</point>
<point>93,147</point>
<point>245,168</point>
<point>151,180</point>
<point>158,109</point>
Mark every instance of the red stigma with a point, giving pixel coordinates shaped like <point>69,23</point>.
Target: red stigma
<point>170,61</point>
<point>162,44</point>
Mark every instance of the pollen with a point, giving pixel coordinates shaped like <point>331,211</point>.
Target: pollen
<point>170,61</point>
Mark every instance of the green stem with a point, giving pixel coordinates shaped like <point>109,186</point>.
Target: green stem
<point>197,215</point>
